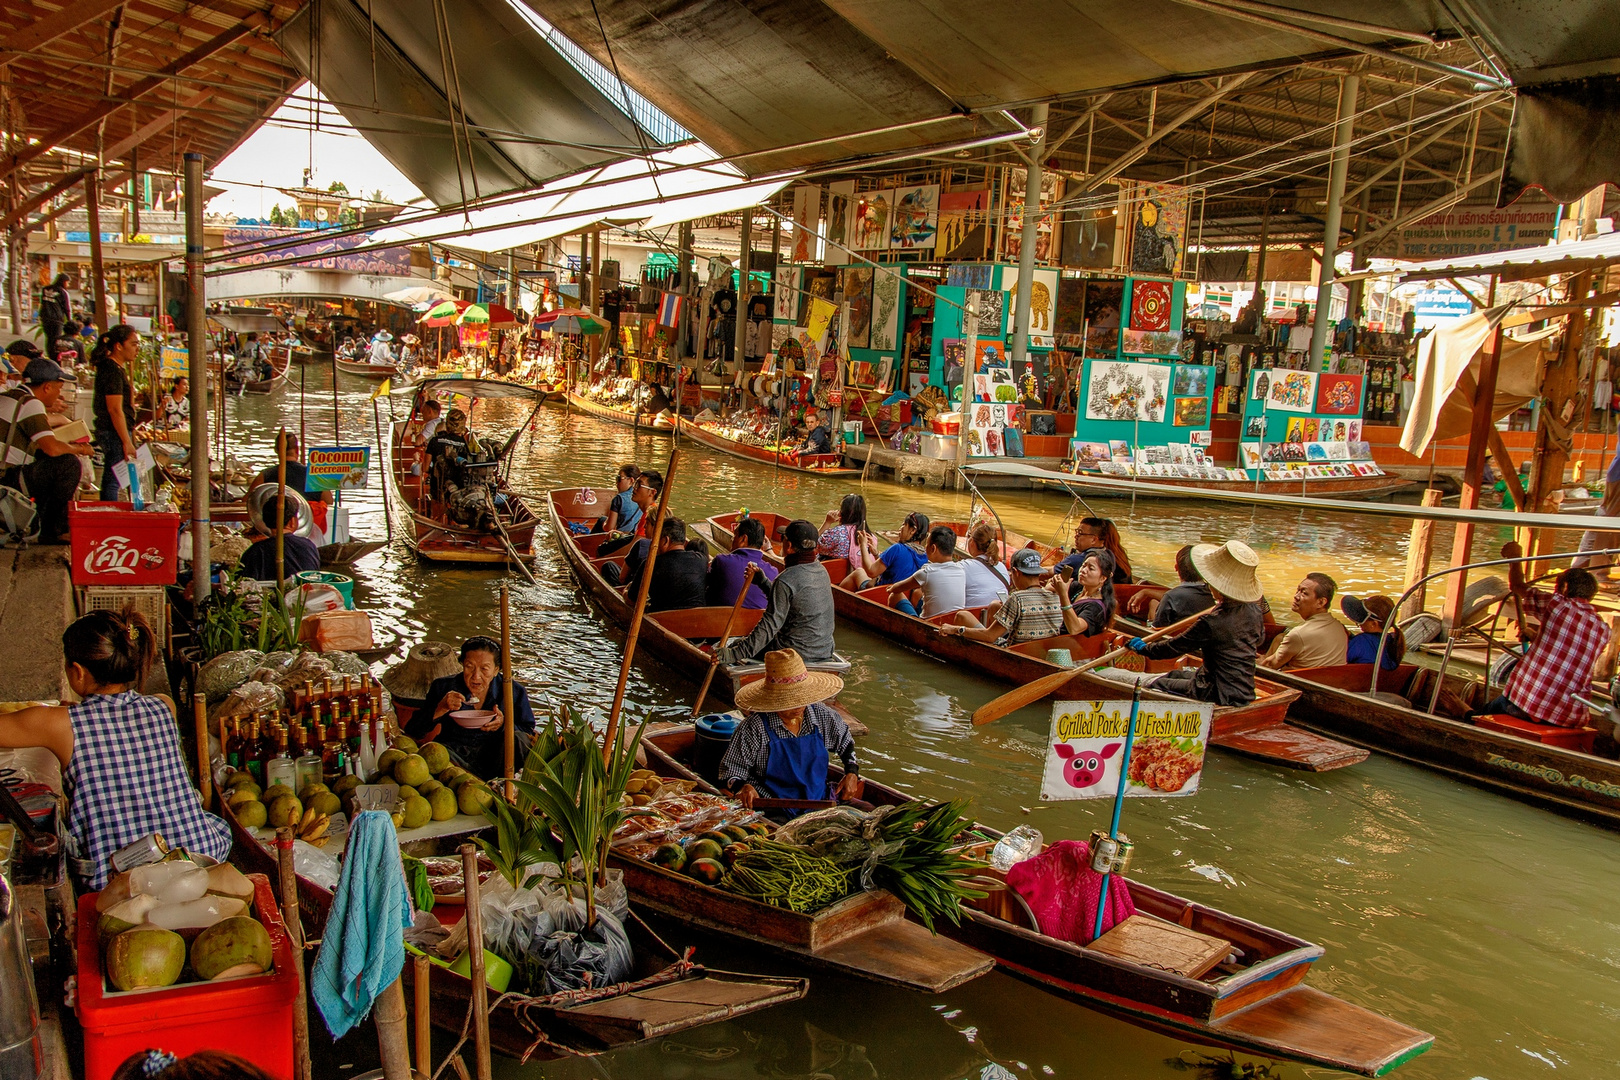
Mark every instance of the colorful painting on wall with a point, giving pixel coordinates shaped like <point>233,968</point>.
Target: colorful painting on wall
<point>992,354</point>
<point>857,289</point>
<point>1042,292</point>
<point>814,284</point>
<point>954,354</point>
<point>1012,229</point>
<point>1338,394</point>
<point>1150,343</point>
<point>1150,305</point>
<point>991,305</point>
<point>885,307</point>
<point>806,222</point>
<point>1192,380</point>
<point>963,224</point>
<point>1122,391</point>
<point>914,218</point>
<point>1070,320</point>
<point>835,226</point>
<point>786,297</point>
<point>1292,391</point>
<point>1090,232</point>
<point>1158,229</point>
<point>1191,412</point>
<point>869,220</point>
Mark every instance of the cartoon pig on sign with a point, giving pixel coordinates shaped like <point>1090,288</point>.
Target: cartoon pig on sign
<point>1084,768</point>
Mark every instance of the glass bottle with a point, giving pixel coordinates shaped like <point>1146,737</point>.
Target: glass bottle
<point>308,762</point>
<point>282,769</point>
<point>233,743</point>
<point>349,728</point>
<point>332,755</point>
<point>252,760</point>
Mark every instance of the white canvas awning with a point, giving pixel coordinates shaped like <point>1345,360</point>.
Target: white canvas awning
<point>1447,377</point>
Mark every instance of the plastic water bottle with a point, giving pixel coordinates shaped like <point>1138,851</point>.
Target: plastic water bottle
<point>1024,842</point>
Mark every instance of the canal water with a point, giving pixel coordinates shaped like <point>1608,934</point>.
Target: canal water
<point>1491,924</point>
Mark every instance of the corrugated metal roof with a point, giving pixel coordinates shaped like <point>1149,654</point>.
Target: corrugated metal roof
<point>1548,259</point>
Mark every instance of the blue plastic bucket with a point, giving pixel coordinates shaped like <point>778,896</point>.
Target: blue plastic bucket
<point>714,733</point>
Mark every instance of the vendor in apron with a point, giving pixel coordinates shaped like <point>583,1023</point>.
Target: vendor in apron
<point>782,748</point>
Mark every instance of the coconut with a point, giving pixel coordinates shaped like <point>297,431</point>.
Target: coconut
<point>144,957</point>
<point>153,878</point>
<point>436,755</point>
<point>131,913</point>
<point>234,946</point>
<point>226,880</point>
<point>194,916</point>
<point>116,892</point>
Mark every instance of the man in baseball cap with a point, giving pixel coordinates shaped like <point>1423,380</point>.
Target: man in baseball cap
<point>36,460</point>
<point>1033,609</point>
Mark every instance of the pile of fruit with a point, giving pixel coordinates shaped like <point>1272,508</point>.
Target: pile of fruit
<point>175,920</point>
<point>706,856</point>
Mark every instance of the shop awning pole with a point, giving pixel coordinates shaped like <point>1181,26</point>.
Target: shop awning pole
<point>744,258</point>
<point>1340,168</point>
<point>1026,243</point>
<point>197,365</point>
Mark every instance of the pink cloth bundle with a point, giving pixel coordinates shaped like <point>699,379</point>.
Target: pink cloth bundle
<point>1063,891</point>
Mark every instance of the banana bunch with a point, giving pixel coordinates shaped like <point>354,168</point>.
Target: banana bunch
<point>312,828</point>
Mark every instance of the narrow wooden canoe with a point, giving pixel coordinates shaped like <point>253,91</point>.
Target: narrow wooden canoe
<point>866,935</point>
<point>1255,730</point>
<point>1336,700</point>
<point>667,994</point>
<point>280,357</point>
<point>628,418</point>
<point>1254,1002</point>
<point>367,370</point>
<point>1338,487</point>
<point>432,534</point>
<point>831,465</point>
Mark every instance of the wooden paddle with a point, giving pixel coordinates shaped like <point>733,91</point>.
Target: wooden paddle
<point>725,639</point>
<point>1014,700</point>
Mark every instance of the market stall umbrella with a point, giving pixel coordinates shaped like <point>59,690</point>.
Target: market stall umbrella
<point>473,313</point>
<point>443,314</point>
<point>501,317</point>
<point>570,321</point>
<point>414,295</point>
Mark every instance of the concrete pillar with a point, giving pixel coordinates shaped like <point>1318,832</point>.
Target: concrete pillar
<point>1348,89</point>
<point>1026,245</point>
<point>742,282</point>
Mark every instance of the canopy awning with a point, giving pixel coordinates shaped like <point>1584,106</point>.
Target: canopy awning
<point>1522,263</point>
<point>478,388</point>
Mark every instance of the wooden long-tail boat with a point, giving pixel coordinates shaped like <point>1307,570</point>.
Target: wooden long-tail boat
<point>1256,730</point>
<point>1332,487</point>
<point>368,370</point>
<point>667,993</point>
<point>831,465</point>
<point>280,357</point>
<point>1567,778</point>
<point>1252,1001</point>
<point>432,532</point>
<point>627,417</point>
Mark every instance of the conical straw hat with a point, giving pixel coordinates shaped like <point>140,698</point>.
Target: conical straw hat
<point>409,679</point>
<point>1230,568</point>
<point>787,685</point>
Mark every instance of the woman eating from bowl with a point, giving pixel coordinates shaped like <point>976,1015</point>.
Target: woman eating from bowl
<point>463,713</point>
<point>782,748</point>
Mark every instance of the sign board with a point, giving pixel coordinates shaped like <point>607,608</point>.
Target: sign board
<point>334,467</point>
<point>176,362</point>
<point>1474,230</point>
<point>1087,744</point>
<point>1439,304</point>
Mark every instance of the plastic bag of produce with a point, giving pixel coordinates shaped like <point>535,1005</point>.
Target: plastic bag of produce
<point>247,699</point>
<point>226,672</point>
<point>571,955</point>
<point>332,631</point>
<point>346,663</point>
<point>273,666</point>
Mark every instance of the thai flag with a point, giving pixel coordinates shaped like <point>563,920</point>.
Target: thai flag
<point>669,310</point>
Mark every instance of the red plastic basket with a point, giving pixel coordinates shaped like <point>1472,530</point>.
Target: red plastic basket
<point>115,545</point>
<point>250,1017</point>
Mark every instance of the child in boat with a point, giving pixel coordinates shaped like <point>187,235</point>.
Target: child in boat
<point>1372,615</point>
<point>942,580</point>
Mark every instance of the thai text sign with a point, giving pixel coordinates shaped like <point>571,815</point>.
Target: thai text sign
<point>1474,230</point>
<point>334,467</point>
<point>1087,745</point>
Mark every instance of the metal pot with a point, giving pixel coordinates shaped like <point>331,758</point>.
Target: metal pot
<point>22,1056</point>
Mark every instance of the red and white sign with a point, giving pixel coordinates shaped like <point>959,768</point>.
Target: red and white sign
<point>114,544</point>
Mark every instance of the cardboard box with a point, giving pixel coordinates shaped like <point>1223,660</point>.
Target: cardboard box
<point>946,424</point>
<point>939,446</point>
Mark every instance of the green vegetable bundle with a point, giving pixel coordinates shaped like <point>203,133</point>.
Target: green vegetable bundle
<point>787,876</point>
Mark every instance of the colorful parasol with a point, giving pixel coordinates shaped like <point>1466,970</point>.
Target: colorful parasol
<point>472,313</point>
<point>570,321</point>
<point>443,314</point>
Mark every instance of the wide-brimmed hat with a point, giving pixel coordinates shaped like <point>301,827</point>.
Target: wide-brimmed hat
<point>787,685</point>
<point>1231,569</point>
<point>411,678</point>
<point>1358,610</point>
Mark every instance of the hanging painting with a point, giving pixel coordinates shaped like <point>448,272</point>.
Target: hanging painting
<point>1338,394</point>
<point>1158,229</point>
<point>1069,323</point>
<point>835,226</point>
<point>968,275</point>
<point>1255,427</point>
<point>1191,412</point>
<point>1122,391</point>
<point>1291,391</point>
<point>914,218</point>
<point>1090,230</point>
<point>991,354</point>
<point>954,354</point>
<point>786,294</point>
<point>1012,229</point>
<point>1150,343</point>
<point>1260,385</point>
<point>1042,293</point>
<point>814,284</point>
<point>1150,305</point>
<point>885,307</point>
<point>991,305</point>
<point>806,220</point>
<point>963,224</point>
<point>857,289</point>
<point>1192,380</point>
<point>985,431</point>
<point>1104,299</point>
<point>869,220</point>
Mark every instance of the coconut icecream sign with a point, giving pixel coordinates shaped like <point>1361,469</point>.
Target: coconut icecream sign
<point>334,467</point>
<point>1087,746</point>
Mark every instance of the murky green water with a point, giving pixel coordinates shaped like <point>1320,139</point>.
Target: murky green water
<point>1485,921</point>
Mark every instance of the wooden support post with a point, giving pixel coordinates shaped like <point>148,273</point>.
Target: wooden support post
<point>98,269</point>
<point>392,1043</point>
<point>1560,384</point>
<point>294,921</point>
<point>199,715</point>
<point>1473,475</point>
<point>508,732</point>
<point>1418,553</point>
<point>475,953</point>
<point>422,1021</point>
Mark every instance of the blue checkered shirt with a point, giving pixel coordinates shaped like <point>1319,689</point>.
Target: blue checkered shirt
<point>127,779</point>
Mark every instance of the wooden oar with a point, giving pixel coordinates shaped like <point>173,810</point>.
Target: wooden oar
<point>725,639</point>
<point>1014,700</point>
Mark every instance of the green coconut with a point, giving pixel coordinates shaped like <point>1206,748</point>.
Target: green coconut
<point>125,915</point>
<point>226,880</point>
<point>231,947</point>
<point>473,798</point>
<point>418,812</point>
<point>145,957</point>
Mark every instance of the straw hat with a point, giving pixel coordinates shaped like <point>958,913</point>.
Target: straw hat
<point>409,680</point>
<point>1230,568</point>
<point>787,685</point>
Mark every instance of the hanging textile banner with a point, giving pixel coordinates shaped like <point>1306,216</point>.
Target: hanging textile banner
<point>474,335</point>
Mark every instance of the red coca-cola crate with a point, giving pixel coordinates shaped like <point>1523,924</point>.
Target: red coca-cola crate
<point>115,545</point>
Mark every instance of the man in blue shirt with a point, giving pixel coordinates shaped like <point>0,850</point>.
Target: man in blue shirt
<point>297,553</point>
<point>819,440</point>
<point>1372,615</point>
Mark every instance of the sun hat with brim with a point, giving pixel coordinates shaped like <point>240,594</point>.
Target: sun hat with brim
<point>1231,569</point>
<point>787,685</point>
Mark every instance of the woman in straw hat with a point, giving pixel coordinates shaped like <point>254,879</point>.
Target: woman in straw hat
<point>1228,638</point>
<point>782,747</point>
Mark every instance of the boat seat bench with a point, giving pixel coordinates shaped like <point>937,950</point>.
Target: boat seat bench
<point>1569,738</point>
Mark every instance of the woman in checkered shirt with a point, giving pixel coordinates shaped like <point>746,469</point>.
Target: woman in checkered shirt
<point>120,750</point>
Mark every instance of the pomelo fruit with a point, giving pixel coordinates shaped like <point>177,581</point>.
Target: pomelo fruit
<point>388,759</point>
<point>406,745</point>
<point>412,770</point>
<point>473,798</point>
<point>418,812</point>
<point>309,791</point>
<point>285,811</point>
<point>443,803</point>
<point>274,792</point>
<point>325,803</point>
<point>252,815</point>
<point>145,957</point>
<point>436,755</point>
